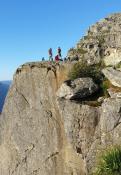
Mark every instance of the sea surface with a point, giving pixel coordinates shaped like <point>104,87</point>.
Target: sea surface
<point>4,87</point>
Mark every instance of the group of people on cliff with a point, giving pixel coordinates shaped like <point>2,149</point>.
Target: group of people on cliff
<point>58,57</point>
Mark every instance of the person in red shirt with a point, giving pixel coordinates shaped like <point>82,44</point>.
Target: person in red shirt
<point>56,58</point>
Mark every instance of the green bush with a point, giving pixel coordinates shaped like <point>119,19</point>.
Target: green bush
<point>104,85</point>
<point>110,162</point>
<point>83,70</point>
<point>94,71</point>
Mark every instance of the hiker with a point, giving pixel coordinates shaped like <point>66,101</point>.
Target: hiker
<point>43,59</point>
<point>59,52</point>
<point>69,58</point>
<point>57,58</point>
<point>50,54</point>
<point>65,59</point>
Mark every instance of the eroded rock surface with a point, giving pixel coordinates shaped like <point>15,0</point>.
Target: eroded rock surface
<point>114,76</point>
<point>77,89</point>
<point>33,139</point>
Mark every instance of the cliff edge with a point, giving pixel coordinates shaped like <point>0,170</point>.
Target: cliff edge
<point>50,124</point>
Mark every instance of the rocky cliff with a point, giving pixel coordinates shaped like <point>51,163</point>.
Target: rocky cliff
<point>103,40</point>
<point>52,125</point>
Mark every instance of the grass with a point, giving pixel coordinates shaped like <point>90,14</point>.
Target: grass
<point>109,162</point>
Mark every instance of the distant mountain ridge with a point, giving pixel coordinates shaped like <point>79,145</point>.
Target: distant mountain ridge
<point>4,87</point>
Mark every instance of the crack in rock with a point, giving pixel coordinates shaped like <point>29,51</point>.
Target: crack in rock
<point>24,160</point>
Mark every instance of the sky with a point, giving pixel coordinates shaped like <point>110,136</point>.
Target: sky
<point>28,28</point>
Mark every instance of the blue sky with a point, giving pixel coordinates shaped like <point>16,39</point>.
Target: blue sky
<point>29,27</point>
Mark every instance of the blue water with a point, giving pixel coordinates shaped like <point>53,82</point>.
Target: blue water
<point>4,87</point>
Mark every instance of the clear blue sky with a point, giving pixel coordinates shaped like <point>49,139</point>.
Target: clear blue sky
<point>29,27</point>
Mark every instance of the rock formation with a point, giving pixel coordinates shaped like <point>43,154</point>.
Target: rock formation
<point>103,39</point>
<point>113,75</point>
<point>43,130</point>
<point>77,89</point>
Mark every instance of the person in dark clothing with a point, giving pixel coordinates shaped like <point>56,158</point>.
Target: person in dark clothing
<point>50,54</point>
<point>59,51</point>
<point>69,58</point>
<point>43,59</point>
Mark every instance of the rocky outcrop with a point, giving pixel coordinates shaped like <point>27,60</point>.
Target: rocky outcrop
<point>77,89</point>
<point>43,131</point>
<point>113,58</point>
<point>102,41</point>
<point>114,76</point>
<point>33,139</point>
<point>43,134</point>
<point>114,93</point>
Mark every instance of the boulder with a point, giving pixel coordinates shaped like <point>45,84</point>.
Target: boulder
<point>113,93</point>
<point>77,89</point>
<point>113,57</point>
<point>114,76</point>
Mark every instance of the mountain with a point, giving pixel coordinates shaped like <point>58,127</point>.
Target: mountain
<point>4,87</point>
<point>59,117</point>
<point>103,40</point>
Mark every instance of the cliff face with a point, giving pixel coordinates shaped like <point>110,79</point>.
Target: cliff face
<point>42,134</point>
<point>50,128</point>
<point>33,138</point>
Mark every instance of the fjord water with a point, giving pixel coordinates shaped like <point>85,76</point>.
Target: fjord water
<point>4,87</point>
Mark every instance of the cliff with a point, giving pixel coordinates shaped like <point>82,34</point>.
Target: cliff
<point>52,125</point>
<point>103,40</point>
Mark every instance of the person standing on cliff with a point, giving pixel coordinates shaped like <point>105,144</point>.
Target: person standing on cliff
<point>59,52</point>
<point>50,54</point>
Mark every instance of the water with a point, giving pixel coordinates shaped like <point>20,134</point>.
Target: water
<point>4,87</point>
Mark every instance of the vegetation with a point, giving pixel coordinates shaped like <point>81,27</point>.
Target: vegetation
<point>118,65</point>
<point>109,162</point>
<point>81,69</point>
<point>81,51</point>
<point>101,39</point>
<point>104,85</point>
<point>94,71</point>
